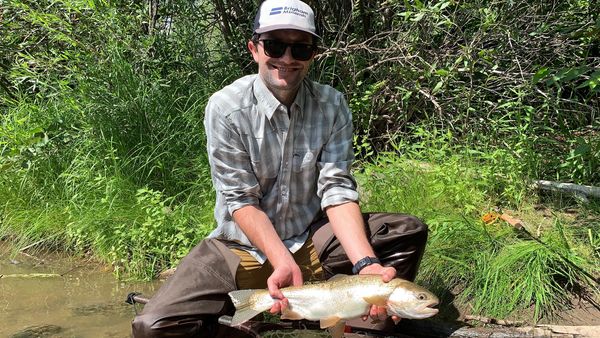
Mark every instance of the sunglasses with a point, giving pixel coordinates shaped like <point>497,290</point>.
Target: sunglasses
<point>300,51</point>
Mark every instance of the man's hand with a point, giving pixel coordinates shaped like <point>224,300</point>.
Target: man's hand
<point>258,228</point>
<point>387,274</point>
<point>282,276</point>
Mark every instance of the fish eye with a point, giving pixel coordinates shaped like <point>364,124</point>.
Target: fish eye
<point>422,296</point>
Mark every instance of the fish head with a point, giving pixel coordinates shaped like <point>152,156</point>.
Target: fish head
<point>409,300</point>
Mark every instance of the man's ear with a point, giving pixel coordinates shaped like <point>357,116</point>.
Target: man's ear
<point>253,48</point>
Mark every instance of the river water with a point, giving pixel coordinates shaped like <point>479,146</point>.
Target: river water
<point>53,295</point>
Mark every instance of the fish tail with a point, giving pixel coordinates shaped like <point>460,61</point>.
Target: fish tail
<point>245,307</point>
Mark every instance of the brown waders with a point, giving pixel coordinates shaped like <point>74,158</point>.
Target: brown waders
<point>191,300</point>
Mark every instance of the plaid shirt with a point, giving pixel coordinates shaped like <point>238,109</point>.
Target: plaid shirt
<point>290,164</point>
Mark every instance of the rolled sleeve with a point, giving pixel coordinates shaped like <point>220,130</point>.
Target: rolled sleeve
<point>336,184</point>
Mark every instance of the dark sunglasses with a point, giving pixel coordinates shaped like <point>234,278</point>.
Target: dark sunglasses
<point>300,51</point>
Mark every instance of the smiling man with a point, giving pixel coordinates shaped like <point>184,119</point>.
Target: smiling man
<point>280,150</point>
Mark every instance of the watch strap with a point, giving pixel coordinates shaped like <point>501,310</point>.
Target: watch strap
<point>364,262</point>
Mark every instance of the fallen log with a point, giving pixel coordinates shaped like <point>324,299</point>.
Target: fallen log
<point>581,191</point>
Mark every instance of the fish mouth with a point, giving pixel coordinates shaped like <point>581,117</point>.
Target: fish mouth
<point>428,308</point>
<point>421,310</point>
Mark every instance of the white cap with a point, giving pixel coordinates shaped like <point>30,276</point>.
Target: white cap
<point>285,14</point>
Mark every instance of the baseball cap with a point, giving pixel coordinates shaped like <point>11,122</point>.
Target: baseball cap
<point>285,14</point>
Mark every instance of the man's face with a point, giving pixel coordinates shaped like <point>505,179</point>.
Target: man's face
<point>281,75</point>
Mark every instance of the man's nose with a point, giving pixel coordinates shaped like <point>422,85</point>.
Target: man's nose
<point>287,55</point>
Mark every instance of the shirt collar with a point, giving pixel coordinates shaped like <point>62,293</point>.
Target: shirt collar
<point>268,104</point>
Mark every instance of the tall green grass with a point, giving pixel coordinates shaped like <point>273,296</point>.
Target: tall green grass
<point>490,269</point>
<point>107,157</point>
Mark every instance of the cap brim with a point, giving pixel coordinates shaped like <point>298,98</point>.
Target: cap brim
<point>279,27</point>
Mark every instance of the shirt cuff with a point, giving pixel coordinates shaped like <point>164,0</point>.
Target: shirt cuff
<point>338,195</point>
<point>239,203</point>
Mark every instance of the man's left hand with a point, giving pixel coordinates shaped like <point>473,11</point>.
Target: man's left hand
<point>387,274</point>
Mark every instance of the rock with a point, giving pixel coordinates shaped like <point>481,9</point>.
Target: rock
<point>167,273</point>
<point>38,331</point>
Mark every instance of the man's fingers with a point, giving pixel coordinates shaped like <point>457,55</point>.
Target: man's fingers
<point>378,312</point>
<point>373,312</point>
<point>276,308</point>
<point>274,290</point>
<point>279,305</point>
<point>388,273</point>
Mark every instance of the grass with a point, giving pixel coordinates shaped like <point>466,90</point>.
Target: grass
<point>491,269</point>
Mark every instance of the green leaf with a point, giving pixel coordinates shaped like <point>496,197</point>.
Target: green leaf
<point>418,17</point>
<point>442,72</point>
<point>540,74</point>
<point>437,87</point>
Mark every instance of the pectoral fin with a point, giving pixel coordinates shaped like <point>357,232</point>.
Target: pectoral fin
<point>290,314</point>
<point>243,315</point>
<point>337,331</point>
<point>376,300</point>
<point>329,322</point>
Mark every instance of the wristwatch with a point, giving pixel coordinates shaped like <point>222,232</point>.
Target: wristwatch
<point>364,262</point>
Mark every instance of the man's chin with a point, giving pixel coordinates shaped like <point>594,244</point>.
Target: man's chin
<point>284,84</point>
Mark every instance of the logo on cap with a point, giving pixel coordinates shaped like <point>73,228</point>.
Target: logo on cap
<point>276,10</point>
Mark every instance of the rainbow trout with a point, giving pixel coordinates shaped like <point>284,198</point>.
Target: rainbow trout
<point>341,298</point>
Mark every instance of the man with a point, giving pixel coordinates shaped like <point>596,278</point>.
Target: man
<point>280,150</point>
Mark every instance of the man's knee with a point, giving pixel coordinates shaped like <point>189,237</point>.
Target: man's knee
<point>417,226</point>
<point>399,240</point>
<point>141,326</point>
<point>388,228</point>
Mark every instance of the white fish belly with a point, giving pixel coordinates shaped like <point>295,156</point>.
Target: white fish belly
<point>317,304</point>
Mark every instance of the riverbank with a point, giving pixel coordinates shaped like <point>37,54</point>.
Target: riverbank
<point>51,294</point>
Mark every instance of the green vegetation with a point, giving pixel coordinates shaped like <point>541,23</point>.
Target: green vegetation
<point>492,268</point>
<point>457,107</point>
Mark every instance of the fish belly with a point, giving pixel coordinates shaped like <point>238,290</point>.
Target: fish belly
<point>317,305</point>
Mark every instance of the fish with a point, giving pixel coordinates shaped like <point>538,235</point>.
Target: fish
<point>339,299</point>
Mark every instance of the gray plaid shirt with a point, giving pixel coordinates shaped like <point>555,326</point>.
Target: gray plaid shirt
<point>291,165</point>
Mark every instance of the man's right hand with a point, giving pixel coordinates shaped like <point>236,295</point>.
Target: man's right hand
<point>283,275</point>
<point>259,229</point>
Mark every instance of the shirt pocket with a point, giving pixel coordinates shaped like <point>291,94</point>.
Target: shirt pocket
<point>305,160</point>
